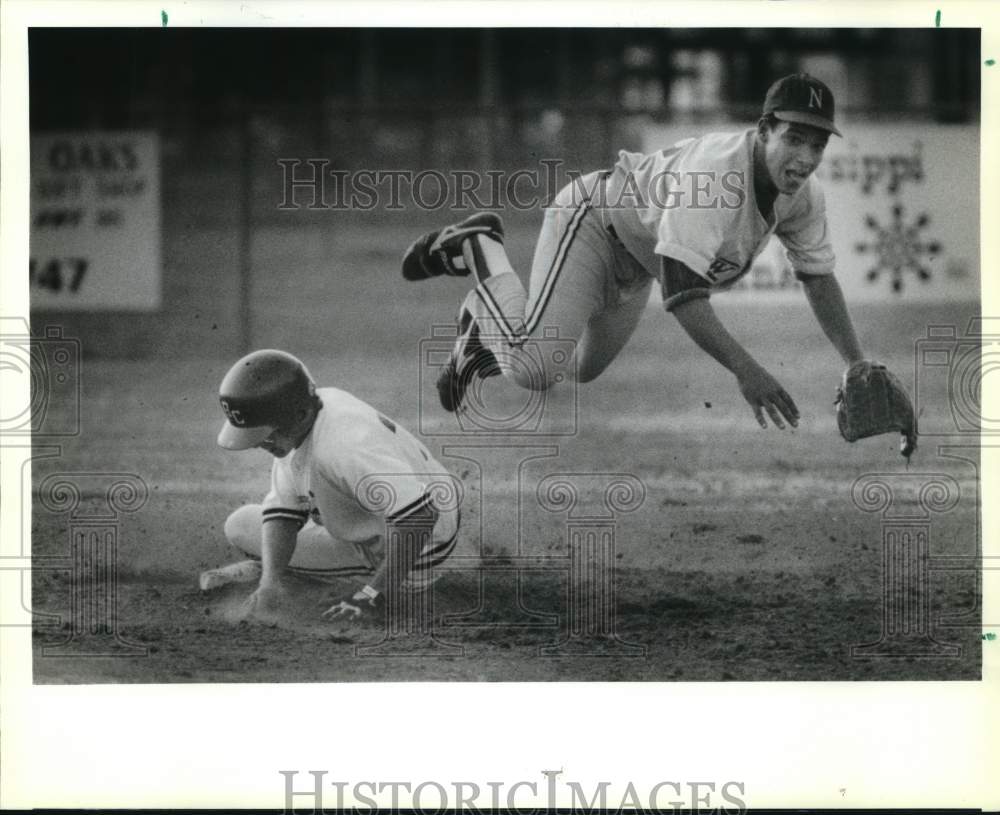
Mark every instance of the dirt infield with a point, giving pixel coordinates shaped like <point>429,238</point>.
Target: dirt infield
<point>753,556</point>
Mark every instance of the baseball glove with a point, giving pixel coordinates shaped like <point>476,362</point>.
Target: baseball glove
<point>870,401</point>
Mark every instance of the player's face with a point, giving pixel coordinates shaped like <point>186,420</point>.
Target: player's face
<point>283,440</point>
<point>279,444</point>
<point>792,152</point>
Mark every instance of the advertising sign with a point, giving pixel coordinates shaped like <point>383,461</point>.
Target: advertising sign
<point>902,206</point>
<point>95,221</point>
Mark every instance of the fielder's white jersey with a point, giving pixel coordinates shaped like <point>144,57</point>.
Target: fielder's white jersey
<point>695,202</point>
<point>332,477</point>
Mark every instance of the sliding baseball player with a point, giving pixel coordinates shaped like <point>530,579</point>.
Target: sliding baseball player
<point>344,477</point>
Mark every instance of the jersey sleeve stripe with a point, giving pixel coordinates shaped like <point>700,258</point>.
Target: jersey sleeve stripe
<point>804,276</point>
<point>674,300</point>
<point>441,548</point>
<point>412,508</point>
<point>340,571</point>
<point>695,262</point>
<point>437,554</point>
<point>282,513</point>
<point>424,565</point>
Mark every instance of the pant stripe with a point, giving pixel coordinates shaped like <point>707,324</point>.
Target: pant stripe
<point>556,267</point>
<point>486,297</point>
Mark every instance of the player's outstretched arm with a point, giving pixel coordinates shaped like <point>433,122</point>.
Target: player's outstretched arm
<point>685,295</point>
<point>278,540</point>
<point>827,302</point>
<point>406,550</point>
<point>370,598</point>
<point>407,547</point>
<point>761,390</point>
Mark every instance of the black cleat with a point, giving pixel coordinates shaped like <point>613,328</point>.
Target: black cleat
<point>469,360</point>
<point>440,253</point>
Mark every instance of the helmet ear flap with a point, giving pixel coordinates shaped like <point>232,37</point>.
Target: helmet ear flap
<point>308,410</point>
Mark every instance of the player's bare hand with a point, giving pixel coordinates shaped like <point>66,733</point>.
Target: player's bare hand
<point>353,607</point>
<point>766,396</point>
<point>264,602</point>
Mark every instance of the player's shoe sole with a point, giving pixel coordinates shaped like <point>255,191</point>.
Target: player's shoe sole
<point>440,252</point>
<point>469,360</point>
<point>246,571</point>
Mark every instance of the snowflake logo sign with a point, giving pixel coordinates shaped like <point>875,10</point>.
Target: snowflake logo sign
<point>899,248</point>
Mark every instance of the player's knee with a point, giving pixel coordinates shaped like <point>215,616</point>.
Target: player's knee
<point>588,373</point>
<point>242,529</point>
<point>591,365</point>
<point>534,373</point>
<point>535,380</point>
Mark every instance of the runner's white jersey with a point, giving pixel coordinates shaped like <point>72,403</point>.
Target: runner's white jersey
<point>695,202</point>
<point>332,476</point>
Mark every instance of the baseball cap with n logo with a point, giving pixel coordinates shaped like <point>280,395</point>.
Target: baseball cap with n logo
<point>802,99</point>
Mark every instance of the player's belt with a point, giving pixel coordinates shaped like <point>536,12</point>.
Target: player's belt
<point>614,234</point>
<point>613,190</point>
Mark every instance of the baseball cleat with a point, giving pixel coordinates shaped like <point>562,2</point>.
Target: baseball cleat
<point>440,253</point>
<point>246,571</point>
<point>469,360</point>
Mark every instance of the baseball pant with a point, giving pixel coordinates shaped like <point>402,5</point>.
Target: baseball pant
<point>584,287</point>
<point>320,555</point>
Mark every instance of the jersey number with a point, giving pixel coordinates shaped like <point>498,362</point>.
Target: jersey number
<point>719,268</point>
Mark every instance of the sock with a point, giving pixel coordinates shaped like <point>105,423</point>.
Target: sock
<point>500,294</point>
<point>485,257</point>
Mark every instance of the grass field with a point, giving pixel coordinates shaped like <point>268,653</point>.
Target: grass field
<point>747,560</point>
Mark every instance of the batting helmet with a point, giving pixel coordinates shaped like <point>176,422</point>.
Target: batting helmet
<point>265,391</point>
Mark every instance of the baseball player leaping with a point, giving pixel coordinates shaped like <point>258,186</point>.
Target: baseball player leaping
<point>331,453</point>
<point>692,218</point>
